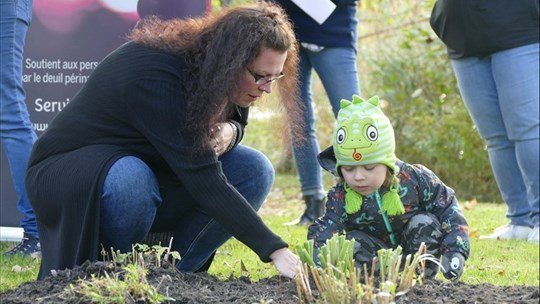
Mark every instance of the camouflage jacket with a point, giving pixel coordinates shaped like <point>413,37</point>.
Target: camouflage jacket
<point>420,191</point>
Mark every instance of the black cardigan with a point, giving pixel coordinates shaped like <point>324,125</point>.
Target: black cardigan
<point>132,104</point>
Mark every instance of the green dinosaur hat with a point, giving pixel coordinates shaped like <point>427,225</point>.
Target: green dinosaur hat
<point>364,136</point>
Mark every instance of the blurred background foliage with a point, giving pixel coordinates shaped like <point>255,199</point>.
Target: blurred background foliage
<point>402,61</point>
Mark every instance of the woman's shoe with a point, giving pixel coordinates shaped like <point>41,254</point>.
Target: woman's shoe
<point>509,232</point>
<point>533,236</point>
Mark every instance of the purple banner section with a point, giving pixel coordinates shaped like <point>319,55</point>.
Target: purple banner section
<point>64,44</point>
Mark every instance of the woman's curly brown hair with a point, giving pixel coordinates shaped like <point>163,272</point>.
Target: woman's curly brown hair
<point>217,49</point>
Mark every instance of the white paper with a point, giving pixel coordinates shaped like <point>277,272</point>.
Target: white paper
<point>319,10</point>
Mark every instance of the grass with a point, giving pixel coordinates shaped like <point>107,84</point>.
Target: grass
<point>494,262</point>
<point>8,277</point>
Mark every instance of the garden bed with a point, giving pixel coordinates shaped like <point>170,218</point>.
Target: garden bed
<point>204,288</point>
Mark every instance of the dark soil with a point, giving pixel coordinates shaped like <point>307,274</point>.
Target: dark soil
<point>204,288</point>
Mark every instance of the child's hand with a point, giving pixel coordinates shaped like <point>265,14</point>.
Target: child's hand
<point>453,264</point>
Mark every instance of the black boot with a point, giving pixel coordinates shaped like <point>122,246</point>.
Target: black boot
<point>314,210</point>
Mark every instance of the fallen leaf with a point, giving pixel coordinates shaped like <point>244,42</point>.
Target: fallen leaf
<point>469,205</point>
<point>16,268</point>
<point>227,264</point>
<point>243,267</point>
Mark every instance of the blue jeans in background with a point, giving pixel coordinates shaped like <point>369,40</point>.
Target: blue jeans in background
<point>501,93</point>
<point>129,206</point>
<point>17,133</point>
<point>336,68</point>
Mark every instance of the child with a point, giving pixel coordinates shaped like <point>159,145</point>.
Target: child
<point>382,202</point>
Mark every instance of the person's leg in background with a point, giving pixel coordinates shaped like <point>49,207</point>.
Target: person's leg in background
<point>338,72</point>
<point>516,73</point>
<point>304,155</point>
<point>501,95</point>
<point>17,133</point>
<point>336,67</point>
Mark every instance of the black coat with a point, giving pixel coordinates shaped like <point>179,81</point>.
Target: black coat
<point>482,27</point>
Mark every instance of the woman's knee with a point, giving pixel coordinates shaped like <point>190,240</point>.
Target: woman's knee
<point>261,177</point>
<point>130,190</point>
<point>129,202</point>
<point>130,179</point>
<point>250,172</point>
<point>260,169</point>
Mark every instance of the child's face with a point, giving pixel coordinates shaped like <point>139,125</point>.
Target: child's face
<point>364,179</point>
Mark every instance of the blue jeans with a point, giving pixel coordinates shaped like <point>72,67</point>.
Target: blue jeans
<point>501,94</point>
<point>336,68</point>
<point>131,197</point>
<point>17,133</point>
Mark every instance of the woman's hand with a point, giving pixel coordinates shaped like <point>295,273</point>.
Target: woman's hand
<point>286,262</point>
<point>221,135</point>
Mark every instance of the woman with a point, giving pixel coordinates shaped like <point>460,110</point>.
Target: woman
<point>493,46</point>
<point>150,143</point>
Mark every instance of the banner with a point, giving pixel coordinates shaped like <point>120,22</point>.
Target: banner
<point>65,42</point>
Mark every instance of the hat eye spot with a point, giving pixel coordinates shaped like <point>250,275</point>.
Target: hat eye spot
<point>340,136</point>
<point>372,133</point>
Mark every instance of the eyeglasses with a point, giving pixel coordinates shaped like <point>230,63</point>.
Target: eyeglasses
<point>260,80</point>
